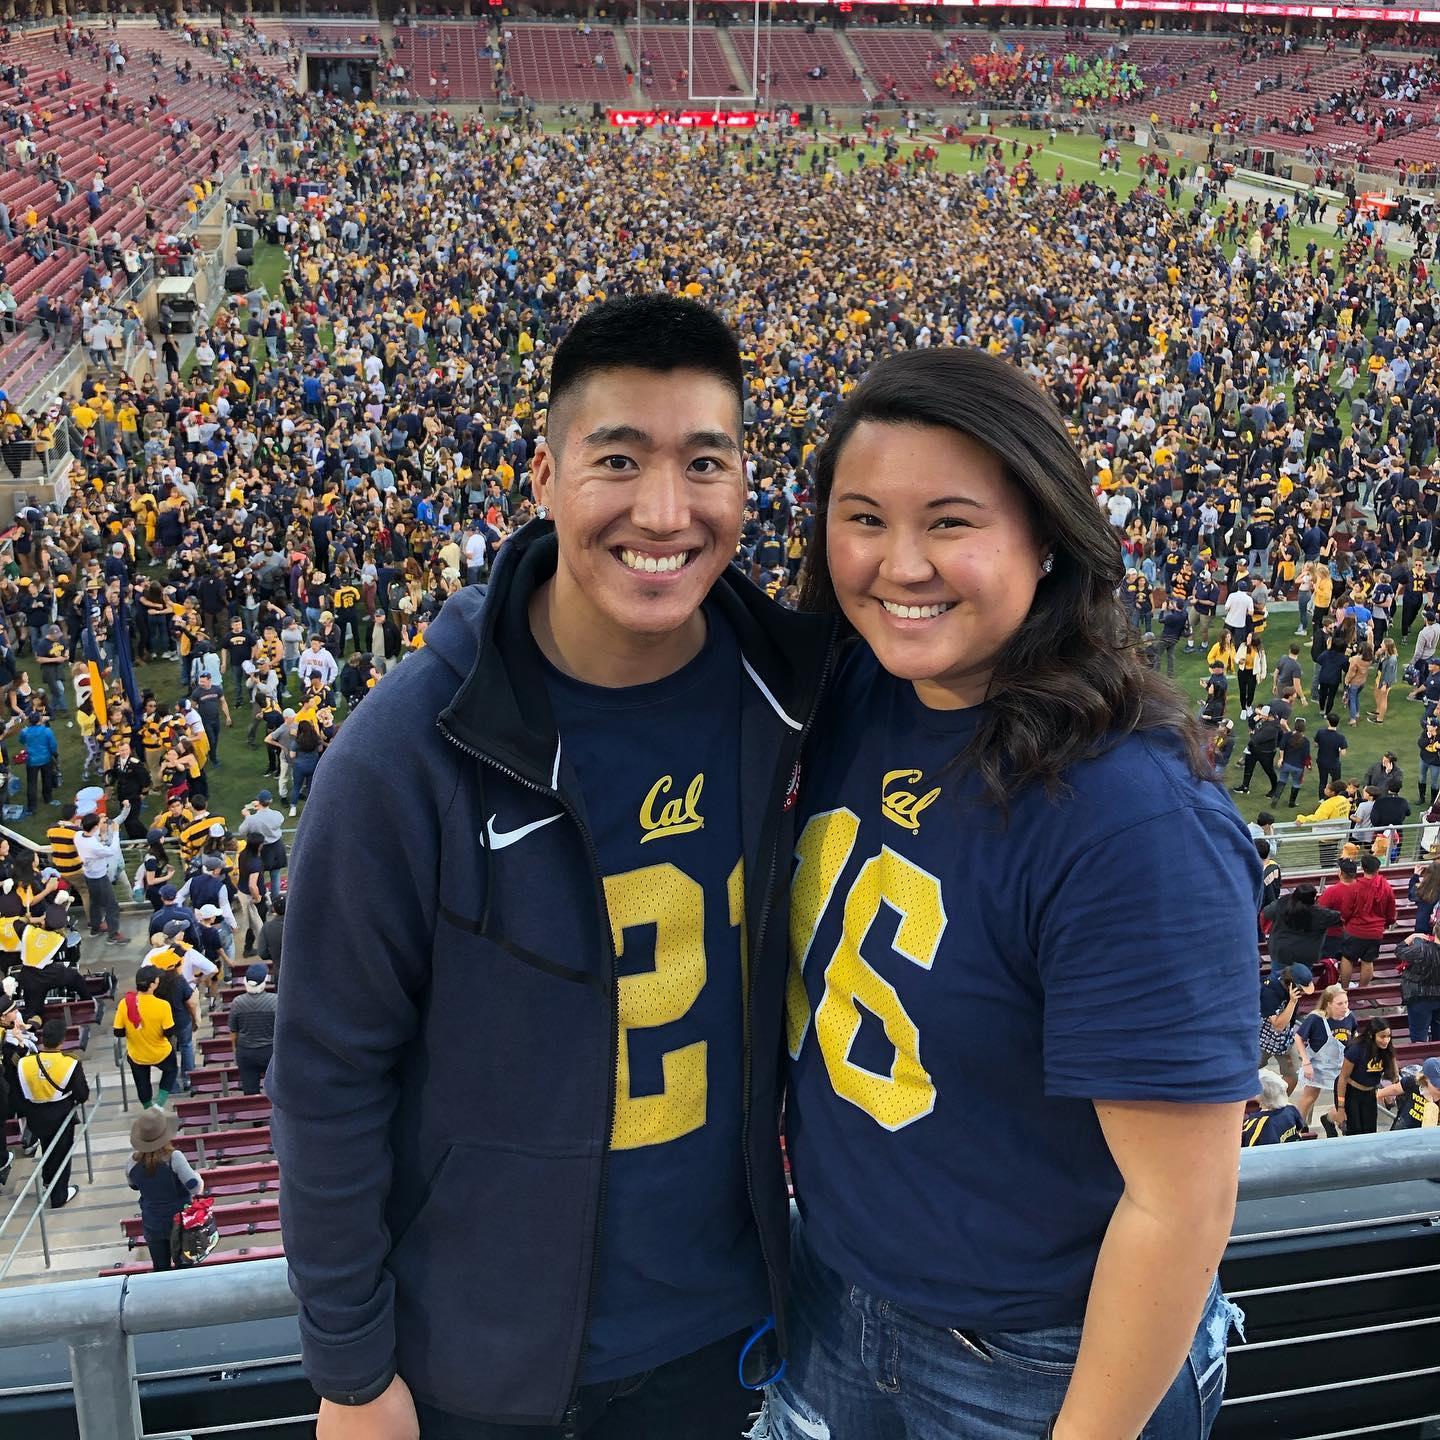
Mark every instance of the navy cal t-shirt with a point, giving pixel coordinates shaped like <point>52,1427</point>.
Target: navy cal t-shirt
<point>658,770</point>
<point>966,991</point>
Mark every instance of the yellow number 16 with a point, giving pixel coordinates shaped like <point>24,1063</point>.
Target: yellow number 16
<point>907,1093</point>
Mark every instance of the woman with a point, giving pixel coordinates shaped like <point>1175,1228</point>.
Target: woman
<point>1386,673</point>
<point>1357,672</point>
<point>1277,1121</point>
<point>1250,670</point>
<point>1419,957</point>
<point>164,1178</point>
<point>156,871</point>
<point>250,893</point>
<point>308,745</point>
<point>1294,761</point>
<point>1325,1032</point>
<point>992,697</point>
<point>1369,1063</point>
<point>1298,927</point>
<point>1424,892</point>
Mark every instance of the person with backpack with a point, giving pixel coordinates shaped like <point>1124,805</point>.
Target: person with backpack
<point>165,1179</point>
<point>1419,959</point>
<point>1372,913</point>
<point>147,1025</point>
<point>1297,928</point>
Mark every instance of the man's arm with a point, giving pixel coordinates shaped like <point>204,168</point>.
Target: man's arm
<point>359,926</point>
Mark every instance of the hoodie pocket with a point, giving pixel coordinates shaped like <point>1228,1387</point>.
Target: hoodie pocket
<point>490,1282</point>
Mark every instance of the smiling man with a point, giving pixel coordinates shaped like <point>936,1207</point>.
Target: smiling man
<point>525,1074</point>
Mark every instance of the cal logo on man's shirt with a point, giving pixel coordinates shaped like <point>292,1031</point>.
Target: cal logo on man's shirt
<point>678,816</point>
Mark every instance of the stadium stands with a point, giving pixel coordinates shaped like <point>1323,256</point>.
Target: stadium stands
<point>790,55</point>
<point>668,49</point>
<point>436,53</point>
<point>551,63</point>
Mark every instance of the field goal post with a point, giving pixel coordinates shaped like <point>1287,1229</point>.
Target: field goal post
<point>744,39</point>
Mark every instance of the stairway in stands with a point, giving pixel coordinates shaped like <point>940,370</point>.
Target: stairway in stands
<point>86,1237</point>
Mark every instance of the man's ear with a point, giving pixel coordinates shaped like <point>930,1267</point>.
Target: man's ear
<point>542,476</point>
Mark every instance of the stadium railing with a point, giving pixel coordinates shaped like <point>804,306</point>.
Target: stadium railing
<point>98,1320</point>
<point>1316,846</point>
<point>37,1190</point>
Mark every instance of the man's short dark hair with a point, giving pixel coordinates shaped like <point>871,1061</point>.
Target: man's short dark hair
<point>1264,818</point>
<point>67,810</point>
<point>1370,864</point>
<point>90,822</point>
<point>52,1033</point>
<point>646,332</point>
<point>146,975</point>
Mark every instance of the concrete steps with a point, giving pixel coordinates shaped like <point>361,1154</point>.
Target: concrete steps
<point>85,1236</point>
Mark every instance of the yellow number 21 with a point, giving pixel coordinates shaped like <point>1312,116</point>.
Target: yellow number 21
<point>665,898</point>
<point>907,1093</point>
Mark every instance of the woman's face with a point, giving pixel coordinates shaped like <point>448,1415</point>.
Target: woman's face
<point>1382,1039</point>
<point>1339,1007</point>
<point>932,555</point>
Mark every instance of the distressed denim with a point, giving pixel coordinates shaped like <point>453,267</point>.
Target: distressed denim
<point>861,1368</point>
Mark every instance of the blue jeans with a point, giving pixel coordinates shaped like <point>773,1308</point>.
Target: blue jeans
<point>1424,1020</point>
<point>860,1368</point>
<point>1352,700</point>
<point>305,763</point>
<point>1291,775</point>
<point>1429,775</point>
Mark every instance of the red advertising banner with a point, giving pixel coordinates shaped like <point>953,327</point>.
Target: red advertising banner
<point>1184,7</point>
<point>700,119</point>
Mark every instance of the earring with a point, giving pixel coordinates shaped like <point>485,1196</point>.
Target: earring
<point>1047,564</point>
<point>542,512</point>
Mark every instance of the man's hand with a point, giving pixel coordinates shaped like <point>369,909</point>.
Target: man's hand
<point>390,1416</point>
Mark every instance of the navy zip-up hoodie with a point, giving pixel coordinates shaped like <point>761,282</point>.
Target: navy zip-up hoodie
<point>446,1040</point>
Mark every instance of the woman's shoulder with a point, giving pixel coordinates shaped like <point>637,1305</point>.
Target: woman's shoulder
<point>1140,776</point>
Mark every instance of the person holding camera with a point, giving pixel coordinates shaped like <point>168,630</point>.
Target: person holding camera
<point>1278,1037</point>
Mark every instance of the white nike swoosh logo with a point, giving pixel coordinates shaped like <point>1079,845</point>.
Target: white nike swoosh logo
<point>499,839</point>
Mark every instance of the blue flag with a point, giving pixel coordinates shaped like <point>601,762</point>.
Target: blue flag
<point>124,664</point>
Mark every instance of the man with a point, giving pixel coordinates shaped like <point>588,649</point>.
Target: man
<point>129,777</point>
<point>61,839</point>
<point>98,845</point>
<point>252,1023</point>
<point>52,1085</point>
<point>209,701</point>
<point>238,647</point>
<point>595,848</point>
<point>317,663</point>
<point>261,818</point>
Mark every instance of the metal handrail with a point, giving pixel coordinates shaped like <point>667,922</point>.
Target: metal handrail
<point>98,1319</point>
<point>42,1193</point>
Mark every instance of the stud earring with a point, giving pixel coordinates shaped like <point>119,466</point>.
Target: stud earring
<point>1047,564</point>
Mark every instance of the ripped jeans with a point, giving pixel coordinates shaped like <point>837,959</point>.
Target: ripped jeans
<point>860,1368</point>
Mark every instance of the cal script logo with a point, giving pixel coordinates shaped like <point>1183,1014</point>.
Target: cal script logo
<point>679,816</point>
<point>904,807</point>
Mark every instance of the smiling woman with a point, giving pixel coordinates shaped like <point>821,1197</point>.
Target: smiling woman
<point>980,1052</point>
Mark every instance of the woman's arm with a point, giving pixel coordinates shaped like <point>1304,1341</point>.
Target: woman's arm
<point>1347,1069</point>
<point>1157,1262</point>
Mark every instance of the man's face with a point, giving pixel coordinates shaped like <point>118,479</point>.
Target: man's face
<point>644,479</point>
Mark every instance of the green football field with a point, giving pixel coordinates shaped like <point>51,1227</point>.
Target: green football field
<point>241,772</point>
